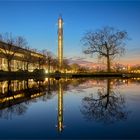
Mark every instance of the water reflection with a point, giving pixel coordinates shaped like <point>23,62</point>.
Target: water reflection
<point>107,106</point>
<point>64,85</point>
<point>15,96</point>
<point>60,107</point>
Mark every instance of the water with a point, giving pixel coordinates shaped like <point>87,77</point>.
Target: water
<point>70,109</point>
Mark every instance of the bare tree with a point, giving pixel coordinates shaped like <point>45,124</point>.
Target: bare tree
<point>41,61</point>
<point>27,58</point>
<point>66,65</point>
<point>49,58</point>
<point>75,67</point>
<point>55,63</point>
<point>10,46</point>
<point>118,67</point>
<point>107,42</point>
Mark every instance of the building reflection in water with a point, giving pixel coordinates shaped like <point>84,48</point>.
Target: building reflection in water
<point>15,95</point>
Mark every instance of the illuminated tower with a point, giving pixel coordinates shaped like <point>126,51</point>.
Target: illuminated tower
<point>60,108</point>
<point>60,42</point>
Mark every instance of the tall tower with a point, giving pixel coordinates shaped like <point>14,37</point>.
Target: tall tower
<point>60,42</point>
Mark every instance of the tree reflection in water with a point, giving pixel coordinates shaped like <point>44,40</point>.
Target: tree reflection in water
<point>18,109</point>
<point>108,107</point>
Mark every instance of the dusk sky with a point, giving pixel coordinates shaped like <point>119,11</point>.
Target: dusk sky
<point>37,22</point>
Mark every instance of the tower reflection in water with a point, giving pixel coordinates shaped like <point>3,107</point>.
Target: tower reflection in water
<point>60,107</point>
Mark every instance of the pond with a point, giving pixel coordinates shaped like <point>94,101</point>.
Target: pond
<point>90,108</point>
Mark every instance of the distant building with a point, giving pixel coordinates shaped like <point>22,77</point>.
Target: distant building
<point>22,59</point>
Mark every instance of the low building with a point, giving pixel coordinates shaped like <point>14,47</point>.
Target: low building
<point>20,58</point>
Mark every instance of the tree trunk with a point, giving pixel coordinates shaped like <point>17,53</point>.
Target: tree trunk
<point>27,84</point>
<point>39,66</point>
<point>108,64</point>
<point>49,87</point>
<point>24,65</point>
<point>49,66</point>
<point>9,65</point>
<point>27,66</point>
<point>39,63</point>
<point>108,93</point>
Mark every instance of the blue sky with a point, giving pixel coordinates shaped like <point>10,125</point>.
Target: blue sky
<point>37,22</point>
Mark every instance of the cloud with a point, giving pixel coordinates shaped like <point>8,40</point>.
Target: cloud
<point>83,62</point>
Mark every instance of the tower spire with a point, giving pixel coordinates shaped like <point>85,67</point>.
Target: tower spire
<point>60,42</point>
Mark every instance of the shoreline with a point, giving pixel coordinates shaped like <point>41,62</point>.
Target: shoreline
<point>35,75</point>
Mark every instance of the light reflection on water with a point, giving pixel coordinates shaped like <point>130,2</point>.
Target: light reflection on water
<point>70,108</point>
